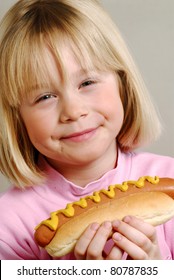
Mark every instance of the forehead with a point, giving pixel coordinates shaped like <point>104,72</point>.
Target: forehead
<point>49,62</point>
<point>69,69</point>
<point>34,59</point>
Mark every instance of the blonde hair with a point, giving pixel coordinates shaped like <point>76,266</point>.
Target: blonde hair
<point>24,32</point>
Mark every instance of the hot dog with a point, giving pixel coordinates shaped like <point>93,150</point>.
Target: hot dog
<point>149,198</point>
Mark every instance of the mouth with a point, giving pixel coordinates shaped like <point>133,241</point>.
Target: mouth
<point>80,136</point>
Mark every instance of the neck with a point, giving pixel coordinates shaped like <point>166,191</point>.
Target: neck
<point>82,175</point>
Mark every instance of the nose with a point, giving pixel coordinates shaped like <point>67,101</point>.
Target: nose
<point>72,109</point>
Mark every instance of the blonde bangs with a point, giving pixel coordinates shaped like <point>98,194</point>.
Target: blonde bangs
<point>24,51</point>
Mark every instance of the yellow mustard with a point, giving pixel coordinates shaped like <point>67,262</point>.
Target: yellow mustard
<point>53,222</point>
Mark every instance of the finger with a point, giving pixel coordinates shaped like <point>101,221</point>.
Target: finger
<point>96,246</point>
<point>136,230</point>
<point>84,241</point>
<point>133,235</point>
<point>115,254</point>
<point>135,252</point>
<point>147,229</point>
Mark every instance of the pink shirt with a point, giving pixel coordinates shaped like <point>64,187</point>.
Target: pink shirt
<point>22,210</point>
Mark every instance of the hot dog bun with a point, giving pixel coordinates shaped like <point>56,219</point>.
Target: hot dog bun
<point>150,199</point>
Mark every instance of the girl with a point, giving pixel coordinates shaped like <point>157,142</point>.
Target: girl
<point>73,110</point>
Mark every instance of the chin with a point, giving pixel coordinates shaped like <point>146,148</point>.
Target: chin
<point>89,157</point>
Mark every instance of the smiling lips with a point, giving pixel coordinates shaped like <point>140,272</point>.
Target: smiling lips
<point>80,136</point>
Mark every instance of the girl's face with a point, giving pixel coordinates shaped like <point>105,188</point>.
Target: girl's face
<point>74,123</point>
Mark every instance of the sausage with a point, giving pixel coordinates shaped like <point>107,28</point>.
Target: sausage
<point>149,198</point>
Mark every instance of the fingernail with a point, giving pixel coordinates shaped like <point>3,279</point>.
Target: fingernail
<point>116,236</point>
<point>127,219</point>
<point>116,223</point>
<point>95,226</point>
<point>107,225</point>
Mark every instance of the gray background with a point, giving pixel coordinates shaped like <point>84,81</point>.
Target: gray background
<point>148,29</point>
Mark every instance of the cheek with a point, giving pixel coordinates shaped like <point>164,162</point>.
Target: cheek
<point>113,107</point>
<point>37,127</point>
<point>119,111</point>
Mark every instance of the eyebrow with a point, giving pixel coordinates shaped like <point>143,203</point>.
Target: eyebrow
<point>39,86</point>
<point>81,72</point>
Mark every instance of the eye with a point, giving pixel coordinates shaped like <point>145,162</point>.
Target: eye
<point>87,83</point>
<point>46,96</point>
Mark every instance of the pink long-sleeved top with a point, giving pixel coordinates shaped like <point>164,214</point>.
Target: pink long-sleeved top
<point>22,210</point>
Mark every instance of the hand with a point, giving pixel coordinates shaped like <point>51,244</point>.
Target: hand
<point>133,236</point>
<point>137,238</point>
<point>90,245</point>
